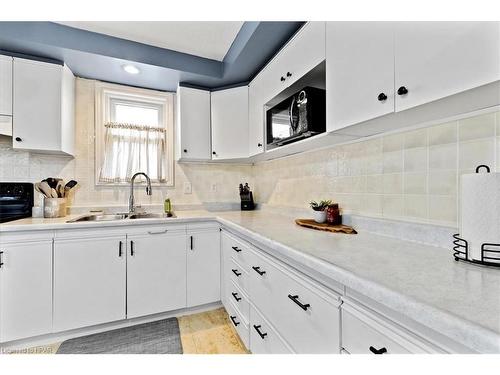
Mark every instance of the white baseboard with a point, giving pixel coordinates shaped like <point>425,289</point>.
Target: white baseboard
<point>66,335</point>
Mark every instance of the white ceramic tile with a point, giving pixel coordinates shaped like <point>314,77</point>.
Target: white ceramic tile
<point>474,153</point>
<point>443,209</point>
<point>393,183</point>
<point>443,157</point>
<point>476,127</point>
<point>415,183</point>
<point>415,206</point>
<point>416,138</point>
<point>415,159</point>
<point>375,183</point>
<point>392,142</point>
<point>392,206</point>
<point>393,161</point>
<point>443,133</point>
<point>443,182</point>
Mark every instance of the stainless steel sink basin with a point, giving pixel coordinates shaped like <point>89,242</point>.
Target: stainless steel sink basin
<point>147,215</point>
<point>99,217</point>
<point>116,217</point>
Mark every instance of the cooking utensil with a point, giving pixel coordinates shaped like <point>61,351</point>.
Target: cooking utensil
<point>60,189</point>
<point>53,193</point>
<point>45,189</point>
<point>70,185</point>
<point>52,181</point>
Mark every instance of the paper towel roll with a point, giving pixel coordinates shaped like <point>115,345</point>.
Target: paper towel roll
<point>480,211</point>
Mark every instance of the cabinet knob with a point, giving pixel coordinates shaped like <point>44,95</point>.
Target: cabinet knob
<point>282,79</point>
<point>213,152</point>
<point>402,90</point>
<point>259,144</point>
<point>382,97</point>
<point>185,150</point>
<point>18,139</point>
<point>288,74</point>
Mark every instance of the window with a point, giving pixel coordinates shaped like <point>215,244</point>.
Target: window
<point>134,133</point>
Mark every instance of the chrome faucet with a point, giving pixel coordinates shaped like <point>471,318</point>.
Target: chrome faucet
<point>149,191</point>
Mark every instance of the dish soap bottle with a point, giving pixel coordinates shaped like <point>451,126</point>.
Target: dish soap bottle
<point>167,207</point>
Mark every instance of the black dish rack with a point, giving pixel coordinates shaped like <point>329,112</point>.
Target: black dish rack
<point>490,252</point>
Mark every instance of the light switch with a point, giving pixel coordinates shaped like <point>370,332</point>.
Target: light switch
<point>188,188</point>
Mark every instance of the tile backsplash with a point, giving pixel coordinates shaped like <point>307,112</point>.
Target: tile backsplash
<point>412,175</point>
<point>26,166</point>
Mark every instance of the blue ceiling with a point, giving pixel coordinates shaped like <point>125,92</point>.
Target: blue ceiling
<point>99,56</point>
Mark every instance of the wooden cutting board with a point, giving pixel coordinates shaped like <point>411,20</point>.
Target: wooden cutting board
<point>309,223</point>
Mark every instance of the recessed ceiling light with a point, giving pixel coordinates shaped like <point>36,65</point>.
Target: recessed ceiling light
<point>131,69</point>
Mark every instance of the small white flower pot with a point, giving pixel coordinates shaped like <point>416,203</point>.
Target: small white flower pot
<point>319,216</point>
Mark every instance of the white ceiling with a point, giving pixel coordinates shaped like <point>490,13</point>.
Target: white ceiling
<point>201,38</point>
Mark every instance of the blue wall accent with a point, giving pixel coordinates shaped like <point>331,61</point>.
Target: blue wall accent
<point>98,56</point>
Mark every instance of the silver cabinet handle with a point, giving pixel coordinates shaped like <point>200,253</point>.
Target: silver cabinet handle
<point>160,232</point>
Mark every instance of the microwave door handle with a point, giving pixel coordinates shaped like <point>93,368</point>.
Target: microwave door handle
<point>290,115</point>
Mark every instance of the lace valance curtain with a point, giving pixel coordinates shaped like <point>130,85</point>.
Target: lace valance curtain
<point>130,148</point>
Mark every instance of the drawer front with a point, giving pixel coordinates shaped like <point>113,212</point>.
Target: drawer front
<point>239,300</point>
<point>239,323</point>
<point>237,249</point>
<point>263,337</point>
<point>306,317</point>
<point>365,333</point>
<point>237,275</point>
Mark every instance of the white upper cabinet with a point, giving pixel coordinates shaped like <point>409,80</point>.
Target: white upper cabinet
<point>43,107</point>
<point>437,59</point>
<point>193,124</point>
<point>229,113</point>
<point>5,85</point>
<point>359,72</point>
<point>255,118</point>
<point>301,54</point>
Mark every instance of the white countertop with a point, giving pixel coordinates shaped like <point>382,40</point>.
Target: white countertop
<point>424,283</point>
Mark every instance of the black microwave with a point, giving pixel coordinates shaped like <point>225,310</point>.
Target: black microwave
<point>299,116</point>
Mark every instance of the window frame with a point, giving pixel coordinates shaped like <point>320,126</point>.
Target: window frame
<point>105,93</point>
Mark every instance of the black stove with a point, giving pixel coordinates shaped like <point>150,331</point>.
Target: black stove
<point>16,200</point>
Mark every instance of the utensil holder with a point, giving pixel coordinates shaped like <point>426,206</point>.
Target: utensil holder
<point>54,207</point>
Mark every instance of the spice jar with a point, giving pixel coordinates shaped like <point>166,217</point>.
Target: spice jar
<point>333,214</point>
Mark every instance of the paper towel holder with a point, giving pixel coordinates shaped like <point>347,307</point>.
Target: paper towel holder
<point>490,252</point>
<point>483,166</point>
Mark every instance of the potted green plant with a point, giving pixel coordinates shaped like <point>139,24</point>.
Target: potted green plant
<point>319,210</point>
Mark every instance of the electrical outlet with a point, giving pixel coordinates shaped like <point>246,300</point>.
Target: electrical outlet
<point>188,188</point>
<point>213,187</point>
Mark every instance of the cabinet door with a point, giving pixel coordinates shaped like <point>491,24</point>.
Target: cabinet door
<point>25,290</point>
<point>359,72</point>
<point>437,59</point>
<point>302,53</point>
<point>193,124</point>
<point>6,85</point>
<point>255,118</point>
<point>156,273</point>
<point>229,109</point>
<point>89,281</point>
<point>37,105</point>
<point>203,268</point>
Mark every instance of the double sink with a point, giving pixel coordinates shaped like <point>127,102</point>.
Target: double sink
<point>116,217</point>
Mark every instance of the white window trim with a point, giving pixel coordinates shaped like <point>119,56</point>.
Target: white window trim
<point>105,91</point>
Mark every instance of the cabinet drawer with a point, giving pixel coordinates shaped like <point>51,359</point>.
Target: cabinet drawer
<point>263,337</point>
<point>236,249</point>
<point>237,275</point>
<point>304,313</point>
<point>239,299</point>
<point>365,333</point>
<point>239,323</point>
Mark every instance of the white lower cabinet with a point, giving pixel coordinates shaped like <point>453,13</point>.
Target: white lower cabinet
<point>89,281</point>
<point>25,289</point>
<point>239,323</point>
<point>156,272</point>
<point>364,332</point>
<point>203,266</point>
<point>264,339</point>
